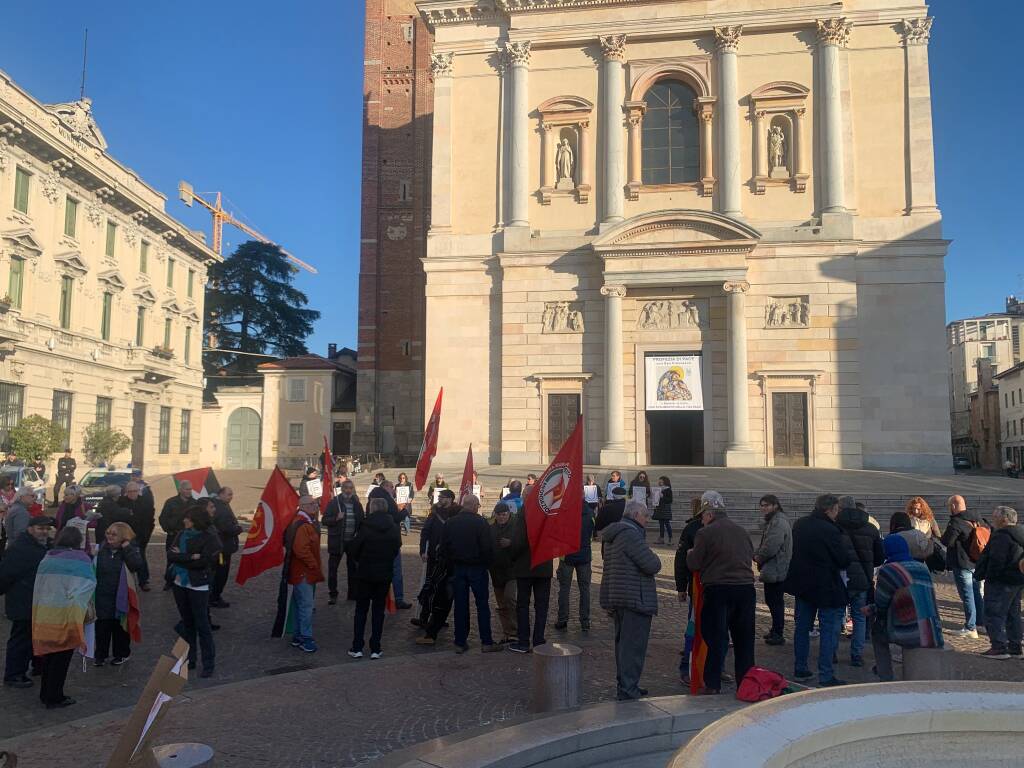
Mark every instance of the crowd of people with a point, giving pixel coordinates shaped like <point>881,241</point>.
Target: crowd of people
<point>843,574</point>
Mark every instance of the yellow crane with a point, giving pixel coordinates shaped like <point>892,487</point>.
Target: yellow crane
<point>221,217</point>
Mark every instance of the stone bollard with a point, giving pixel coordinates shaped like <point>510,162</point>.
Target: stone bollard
<point>926,664</point>
<point>557,677</point>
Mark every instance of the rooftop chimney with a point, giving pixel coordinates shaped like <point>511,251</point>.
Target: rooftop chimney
<point>332,350</point>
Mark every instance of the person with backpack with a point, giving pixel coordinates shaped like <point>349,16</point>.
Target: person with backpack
<point>1000,568</point>
<point>965,538</point>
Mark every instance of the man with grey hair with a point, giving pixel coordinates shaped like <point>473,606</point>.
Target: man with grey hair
<point>722,554</point>
<point>629,593</point>
<point>172,518</point>
<point>18,514</point>
<point>1000,567</point>
<point>143,521</point>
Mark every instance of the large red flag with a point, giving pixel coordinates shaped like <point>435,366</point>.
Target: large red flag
<point>466,486</point>
<point>554,508</point>
<point>264,546</point>
<point>429,447</point>
<point>327,492</point>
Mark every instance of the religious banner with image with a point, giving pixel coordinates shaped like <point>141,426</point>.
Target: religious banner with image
<point>674,383</point>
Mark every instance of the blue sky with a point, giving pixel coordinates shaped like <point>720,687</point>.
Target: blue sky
<point>265,105</point>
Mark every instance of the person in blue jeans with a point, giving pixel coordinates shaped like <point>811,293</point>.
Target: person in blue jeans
<point>468,544</point>
<point>864,547</point>
<point>956,538</point>
<point>815,579</point>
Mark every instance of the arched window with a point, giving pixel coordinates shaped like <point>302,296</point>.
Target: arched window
<point>671,144</point>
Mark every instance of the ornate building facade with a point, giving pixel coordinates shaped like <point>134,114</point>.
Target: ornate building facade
<point>102,291</point>
<point>709,228</point>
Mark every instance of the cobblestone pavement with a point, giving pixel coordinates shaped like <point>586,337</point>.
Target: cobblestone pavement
<point>270,704</point>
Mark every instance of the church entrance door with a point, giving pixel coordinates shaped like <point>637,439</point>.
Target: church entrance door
<point>675,438</point>
<point>789,429</point>
<point>563,412</point>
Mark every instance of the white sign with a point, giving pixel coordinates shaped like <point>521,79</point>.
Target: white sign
<point>476,491</point>
<point>314,488</point>
<point>437,494</point>
<point>674,383</point>
<point>590,494</point>
<point>640,494</point>
<point>609,491</point>
<point>655,496</point>
<point>402,494</point>
<point>505,492</point>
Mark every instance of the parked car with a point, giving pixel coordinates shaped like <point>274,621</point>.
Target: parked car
<point>96,481</point>
<point>961,462</point>
<point>25,476</point>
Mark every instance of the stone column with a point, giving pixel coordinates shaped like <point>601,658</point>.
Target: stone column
<point>760,151</point>
<point>706,114</point>
<point>441,152</point>
<point>547,153</point>
<point>921,151</point>
<point>583,162</point>
<point>727,40</point>
<point>799,163</point>
<point>833,34</point>
<point>739,452</point>
<point>613,452</point>
<point>614,74</point>
<point>635,116</point>
<point>519,135</point>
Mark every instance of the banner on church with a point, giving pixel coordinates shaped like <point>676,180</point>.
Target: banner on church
<point>674,383</point>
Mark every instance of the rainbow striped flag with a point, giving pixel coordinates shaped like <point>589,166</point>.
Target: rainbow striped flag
<point>61,599</point>
<point>127,605</point>
<point>699,654</point>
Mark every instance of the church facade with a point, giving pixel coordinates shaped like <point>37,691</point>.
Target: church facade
<point>710,228</point>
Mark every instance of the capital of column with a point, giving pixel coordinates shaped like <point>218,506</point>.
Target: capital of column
<point>736,286</point>
<point>834,31</point>
<point>916,31</point>
<point>613,291</point>
<point>441,63</point>
<point>635,111</point>
<point>518,53</point>
<point>613,47</point>
<point>727,39</point>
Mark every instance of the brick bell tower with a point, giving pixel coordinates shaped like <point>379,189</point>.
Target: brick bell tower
<point>397,112</point>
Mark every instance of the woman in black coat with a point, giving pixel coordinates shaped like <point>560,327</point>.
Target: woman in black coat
<point>663,512</point>
<point>374,549</point>
<point>191,560</point>
<point>118,552</point>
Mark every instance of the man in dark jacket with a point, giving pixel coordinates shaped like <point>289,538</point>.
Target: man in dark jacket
<point>815,580</point>
<point>430,542</point>
<point>611,511</point>
<point>579,563</point>
<point>342,518</point>
<point>111,511</point>
<point>17,580</point>
<point>374,549</point>
<point>864,547</point>
<point>956,537</point>
<point>228,530</point>
<point>386,491</point>
<point>66,468</point>
<point>143,521</point>
<point>1000,568</point>
<point>683,578</point>
<point>629,592</point>
<point>467,543</point>
<point>502,581</point>
<point>172,519</point>
<point>529,581</point>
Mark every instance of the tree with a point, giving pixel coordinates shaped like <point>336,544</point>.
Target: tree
<point>103,443</point>
<point>37,437</point>
<point>251,306</point>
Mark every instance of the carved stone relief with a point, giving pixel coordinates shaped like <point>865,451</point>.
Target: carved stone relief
<point>665,314</point>
<point>787,312</point>
<point>561,317</point>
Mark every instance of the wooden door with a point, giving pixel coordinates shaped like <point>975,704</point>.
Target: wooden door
<point>341,438</point>
<point>789,429</point>
<point>243,449</point>
<point>563,411</point>
<point>138,435</point>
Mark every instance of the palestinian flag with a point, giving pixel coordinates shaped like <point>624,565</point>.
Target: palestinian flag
<point>204,482</point>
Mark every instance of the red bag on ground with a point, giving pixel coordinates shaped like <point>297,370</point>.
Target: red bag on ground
<point>760,684</point>
<point>390,606</point>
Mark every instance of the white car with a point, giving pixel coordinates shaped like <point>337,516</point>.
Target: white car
<point>22,475</point>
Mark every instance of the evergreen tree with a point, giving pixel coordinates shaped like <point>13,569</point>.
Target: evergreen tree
<point>251,306</point>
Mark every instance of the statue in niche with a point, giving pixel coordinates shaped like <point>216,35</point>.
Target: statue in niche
<point>777,151</point>
<point>564,166</point>
<point>559,317</point>
<point>790,312</point>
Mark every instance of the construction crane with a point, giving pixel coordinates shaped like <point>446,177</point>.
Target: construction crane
<point>221,217</point>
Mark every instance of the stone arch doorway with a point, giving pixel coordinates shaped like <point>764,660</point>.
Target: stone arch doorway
<point>243,439</point>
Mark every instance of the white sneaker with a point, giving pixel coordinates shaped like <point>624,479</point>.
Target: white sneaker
<point>814,633</point>
<point>356,654</point>
<point>376,654</point>
<point>971,633</point>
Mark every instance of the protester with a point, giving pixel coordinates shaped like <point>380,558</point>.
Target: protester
<point>308,476</point>
<point>18,512</point>
<point>342,518</point>
<point>228,530</point>
<point>72,507</point>
<point>17,579</point>
<point>962,527</point>
<point>386,491</point>
<point>684,585</point>
<point>640,482</point>
<point>430,541</point>
<point>614,481</point>
<point>816,581</point>
<point>904,609</point>
<point>61,602</point>
<point>110,511</point>
<point>612,509</point>
<point>772,557</point>
<point>374,549</point>
<point>502,581</point>
<point>406,506</point>
<point>468,544</point>
<point>531,480</point>
<point>598,494</point>
<point>192,557</point>
<point>922,517</point>
<point>172,521</point>
<point>66,468</point>
<point>8,493</point>
<point>532,582</point>
<point>579,563</point>
<point>116,563</point>
<point>629,593</point>
<point>302,543</point>
<point>143,517</point>
<point>865,553</point>
<point>1000,568</point>
<point>514,500</point>
<point>438,484</point>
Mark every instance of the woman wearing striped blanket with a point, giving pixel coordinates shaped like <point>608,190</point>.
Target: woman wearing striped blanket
<point>61,606</point>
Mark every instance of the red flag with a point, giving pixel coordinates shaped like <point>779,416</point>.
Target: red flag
<point>466,487</point>
<point>554,508</point>
<point>327,491</point>
<point>264,546</point>
<point>429,447</point>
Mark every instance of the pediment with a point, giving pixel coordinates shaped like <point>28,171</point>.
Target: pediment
<point>71,261</point>
<point>172,306</point>
<point>145,294</point>
<point>21,242</point>
<point>112,279</point>
<point>678,230</point>
<point>562,104</point>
